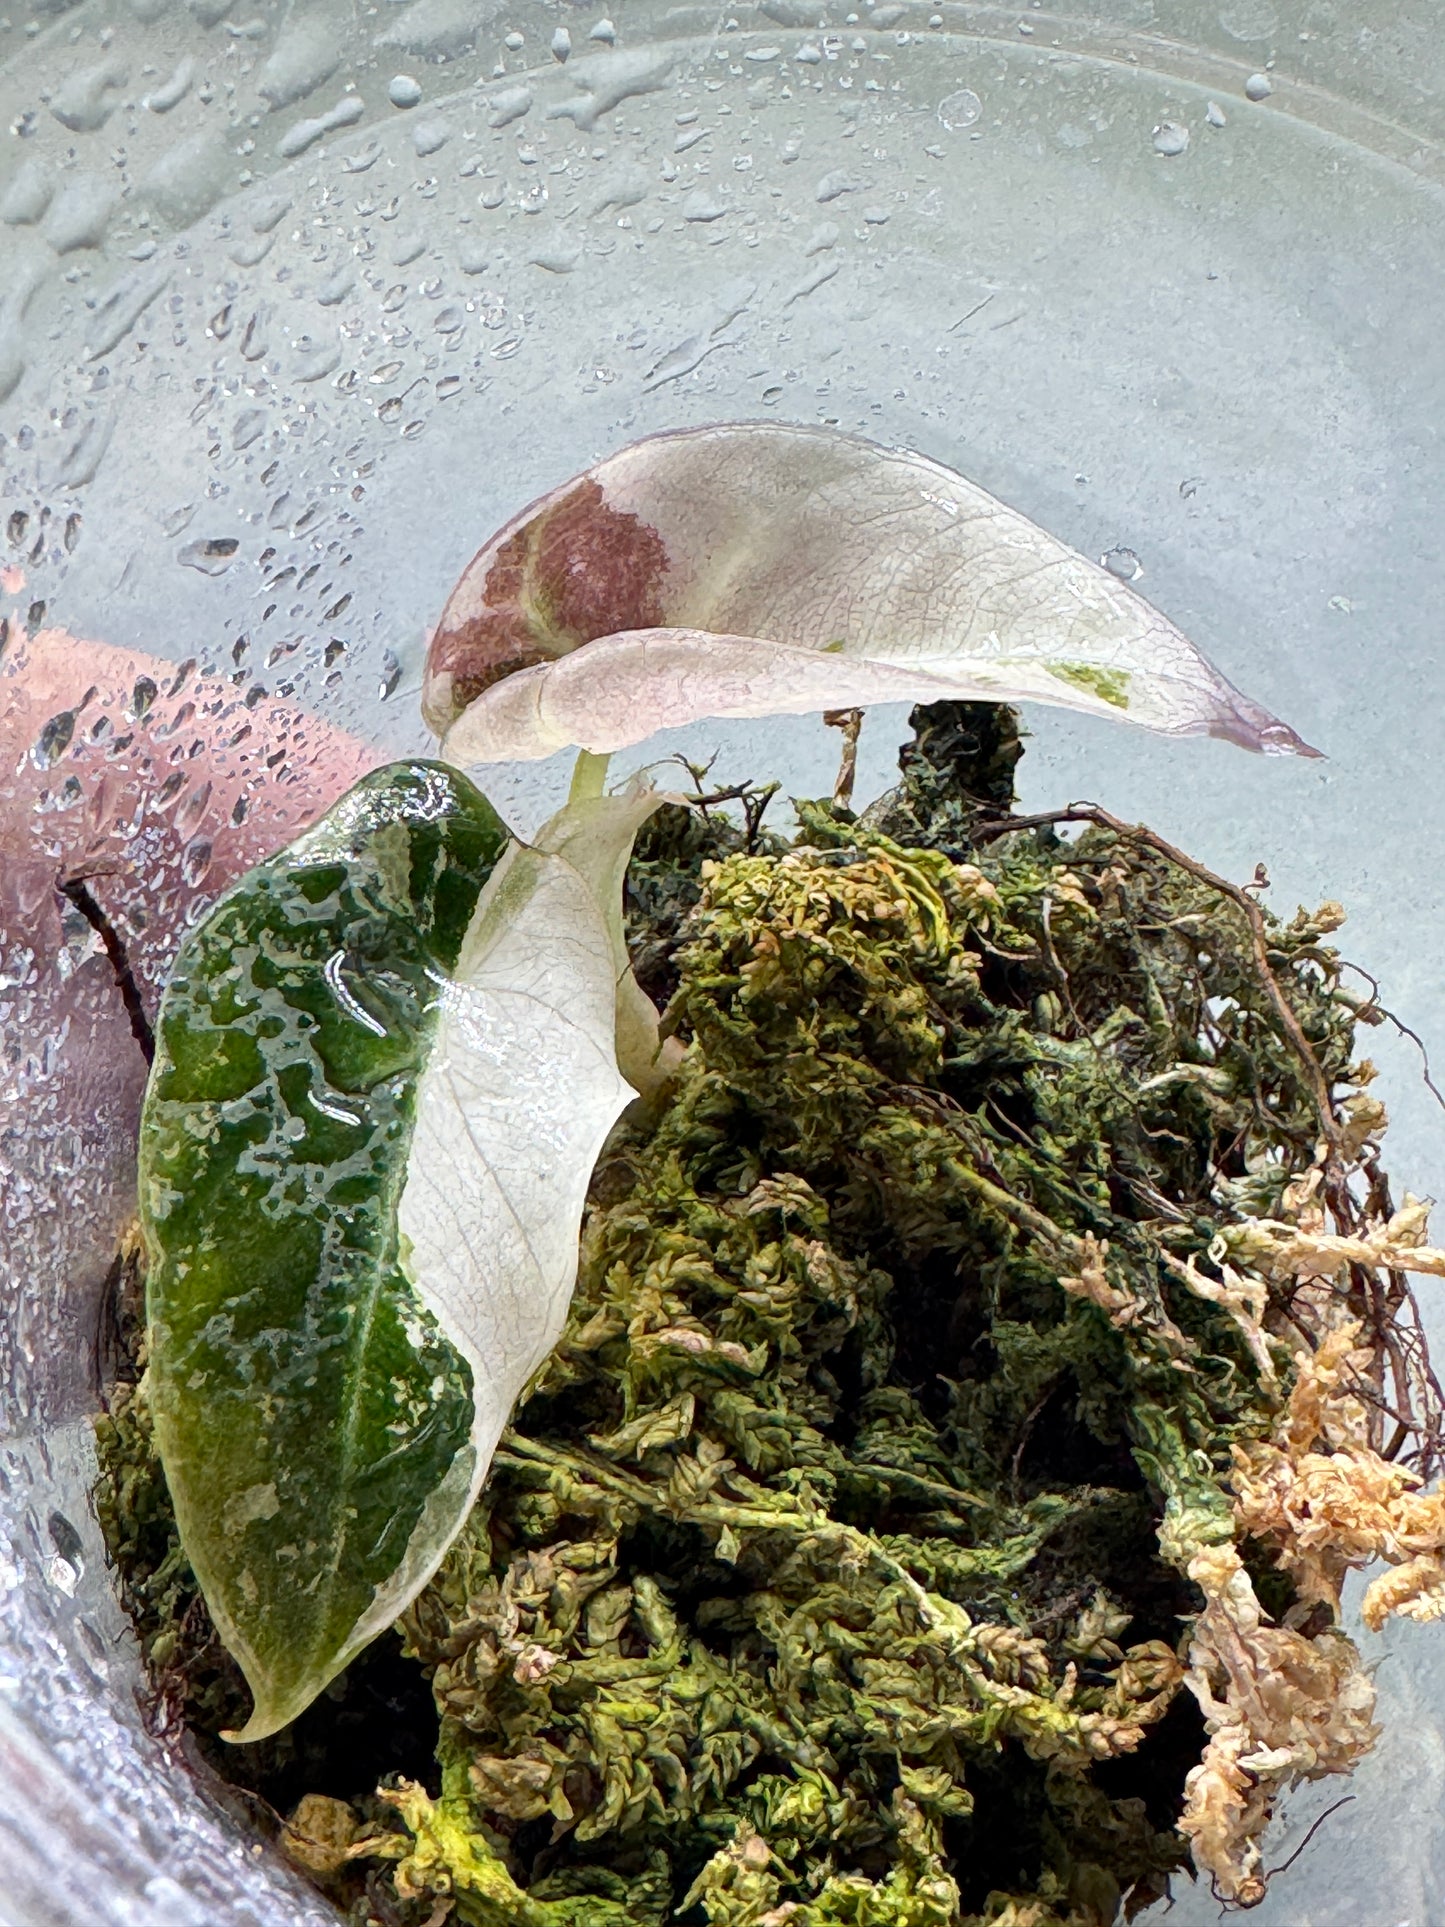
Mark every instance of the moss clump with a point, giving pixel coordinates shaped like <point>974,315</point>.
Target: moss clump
<point>836,1569</point>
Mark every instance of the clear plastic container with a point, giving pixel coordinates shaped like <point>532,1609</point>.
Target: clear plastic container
<point>278,349</point>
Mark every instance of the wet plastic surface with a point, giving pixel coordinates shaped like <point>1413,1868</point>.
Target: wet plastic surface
<point>278,349</point>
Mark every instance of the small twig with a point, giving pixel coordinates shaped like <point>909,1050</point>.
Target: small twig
<point>755,804</point>
<point>74,890</point>
<point>850,721</point>
<point>1025,1434</point>
<point>1285,1865</point>
<point>697,771</point>
<point>987,828</point>
<point>1400,1025</point>
<point>734,793</point>
<point>977,307</point>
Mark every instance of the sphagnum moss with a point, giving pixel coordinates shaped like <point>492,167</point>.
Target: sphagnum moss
<point>893,1529</point>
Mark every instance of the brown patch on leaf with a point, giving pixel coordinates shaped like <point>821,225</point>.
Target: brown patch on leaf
<point>567,573</point>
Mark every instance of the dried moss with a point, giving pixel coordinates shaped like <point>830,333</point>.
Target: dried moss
<point>835,1568</point>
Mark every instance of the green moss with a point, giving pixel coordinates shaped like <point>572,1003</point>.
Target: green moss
<point>823,1576</point>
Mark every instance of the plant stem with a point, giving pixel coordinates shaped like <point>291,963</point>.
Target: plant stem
<point>589,774</point>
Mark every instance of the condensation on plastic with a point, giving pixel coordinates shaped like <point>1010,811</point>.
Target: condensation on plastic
<point>279,349</point>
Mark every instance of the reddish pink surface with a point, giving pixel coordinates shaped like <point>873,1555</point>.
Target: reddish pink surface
<point>566,570</point>
<point>158,813</point>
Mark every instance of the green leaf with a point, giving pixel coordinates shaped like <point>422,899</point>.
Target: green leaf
<point>385,1066</point>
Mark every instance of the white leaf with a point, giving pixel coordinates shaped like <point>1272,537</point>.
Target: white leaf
<point>512,1109</point>
<point>759,569</point>
<point>593,834</point>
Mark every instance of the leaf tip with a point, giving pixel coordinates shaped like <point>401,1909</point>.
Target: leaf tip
<point>269,1716</point>
<point>1269,737</point>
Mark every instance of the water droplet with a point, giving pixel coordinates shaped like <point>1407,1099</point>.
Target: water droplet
<point>1215,115</point>
<point>404,91</point>
<point>835,184</point>
<point>85,101</point>
<point>141,697</point>
<point>390,675</point>
<point>253,339</point>
<point>193,809</point>
<point>68,1546</point>
<point>249,427</point>
<point>1171,137</point>
<point>509,105</point>
<point>1258,87</point>
<point>195,860</point>
<point>212,556</point>
<point>703,207</point>
<point>561,44</point>
<point>960,110</point>
<point>347,111</point>
<point>430,135</point>
<point>172,91</point>
<point>53,740</point>
<point>1123,563</point>
<point>63,1576</point>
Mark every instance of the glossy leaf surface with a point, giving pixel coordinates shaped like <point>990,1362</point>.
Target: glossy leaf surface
<point>387,1065</point>
<point>307,1405</point>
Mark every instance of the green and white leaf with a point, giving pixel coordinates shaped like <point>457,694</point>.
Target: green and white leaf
<point>385,1066</point>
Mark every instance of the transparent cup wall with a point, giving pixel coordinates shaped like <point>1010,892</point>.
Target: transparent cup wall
<point>298,302</point>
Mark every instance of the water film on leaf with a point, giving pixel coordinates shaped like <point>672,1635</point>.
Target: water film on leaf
<point>385,1066</point>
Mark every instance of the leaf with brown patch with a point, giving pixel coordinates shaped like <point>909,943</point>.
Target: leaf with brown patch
<point>757,569</point>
